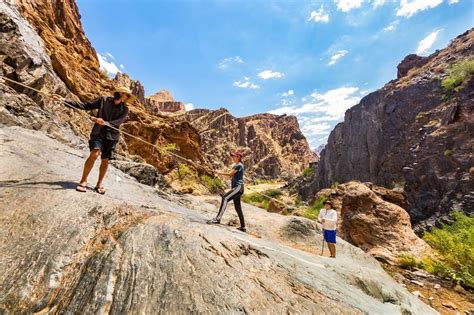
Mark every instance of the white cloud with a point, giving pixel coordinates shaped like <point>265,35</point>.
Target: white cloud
<point>319,112</point>
<point>269,74</point>
<point>425,44</point>
<point>331,103</point>
<point>338,55</point>
<point>245,84</point>
<point>319,15</point>
<point>391,27</point>
<point>377,3</point>
<point>107,65</point>
<point>289,93</point>
<point>409,7</point>
<point>229,61</point>
<point>453,1</point>
<point>122,66</point>
<point>110,55</point>
<point>347,5</point>
<point>188,106</point>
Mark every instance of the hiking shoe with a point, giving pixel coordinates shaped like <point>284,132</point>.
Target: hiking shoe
<point>242,228</point>
<point>213,221</point>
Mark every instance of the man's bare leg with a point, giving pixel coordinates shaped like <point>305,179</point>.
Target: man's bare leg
<point>88,165</point>
<point>104,164</point>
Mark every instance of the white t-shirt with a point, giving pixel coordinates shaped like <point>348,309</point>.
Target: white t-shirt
<point>330,218</point>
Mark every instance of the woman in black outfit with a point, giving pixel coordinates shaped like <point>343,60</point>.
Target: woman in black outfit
<point>235,193</point>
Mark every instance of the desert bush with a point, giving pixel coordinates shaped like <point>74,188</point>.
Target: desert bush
<point>454,244</point>
<point>457,74</point>
<point>214,185</point>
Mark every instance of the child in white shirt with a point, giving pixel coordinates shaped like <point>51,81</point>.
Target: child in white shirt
<point>328,217</point>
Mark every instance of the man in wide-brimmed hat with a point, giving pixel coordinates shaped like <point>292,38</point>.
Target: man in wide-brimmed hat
<point>111,111</point>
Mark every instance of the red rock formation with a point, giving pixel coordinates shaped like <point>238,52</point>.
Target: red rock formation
<point>75,61</point>
<point>162,101</point>
<point>72,55</point>
<point>123,79</point>
<point>273,146</point>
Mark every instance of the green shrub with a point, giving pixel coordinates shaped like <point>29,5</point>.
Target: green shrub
<point>407,261</point>
<point>265,181</point>
<point>214,185</point>
<point>455,246</point>
<point>185,174</point>
<point>308,171</point>
<point>313,211</point>
<point>298,201</point>
<point>259,200</point>
<point>170,146</point>
<point>448,153</point>
<point>457,74</point>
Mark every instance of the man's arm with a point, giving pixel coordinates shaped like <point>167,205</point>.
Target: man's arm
<point>85,106</point>
<point>117,122</point>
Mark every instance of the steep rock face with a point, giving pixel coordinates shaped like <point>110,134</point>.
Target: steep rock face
<point>23,57</point>
<point>372,218</point>
<point>131,251</point>
<point>63,61</point>
<point>123,79</point>
<point>162,101</point>
<point>408,134</point>
<point>72,55</point>
<point>273,146</point>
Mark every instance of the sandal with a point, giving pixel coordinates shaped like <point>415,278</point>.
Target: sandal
<point>81,188</point>
<point>99,190</point>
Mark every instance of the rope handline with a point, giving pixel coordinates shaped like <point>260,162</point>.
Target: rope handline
<point>133,136</point>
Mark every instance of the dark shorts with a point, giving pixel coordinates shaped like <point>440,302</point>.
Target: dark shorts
<point>330,236</point>
<point>106,147</point>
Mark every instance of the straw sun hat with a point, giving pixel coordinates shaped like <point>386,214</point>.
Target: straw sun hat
<point>124,90</point>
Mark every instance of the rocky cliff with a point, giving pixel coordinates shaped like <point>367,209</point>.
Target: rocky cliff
<point>123,79</point>
<point>410,134</point>
<point>273,146</point>
<point>132,251</point>
<point>162,101</point>
<point>45,47</point>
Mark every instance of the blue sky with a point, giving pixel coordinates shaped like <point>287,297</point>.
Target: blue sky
<point>312,59</point>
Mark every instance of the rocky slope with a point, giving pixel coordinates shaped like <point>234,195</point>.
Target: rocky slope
<point>409,134</point>
<point>45,47</point>
<point>132,251</point>
<point>273,146</point>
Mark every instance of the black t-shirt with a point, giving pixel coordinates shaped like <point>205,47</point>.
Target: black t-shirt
<point>109,112</point>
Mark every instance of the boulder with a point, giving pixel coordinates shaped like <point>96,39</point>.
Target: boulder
<point>379,227</point>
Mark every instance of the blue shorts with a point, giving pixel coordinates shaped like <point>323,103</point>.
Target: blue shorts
<point>330,236</point>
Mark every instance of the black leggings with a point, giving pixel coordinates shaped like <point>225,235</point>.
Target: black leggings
<point>234,194</point>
